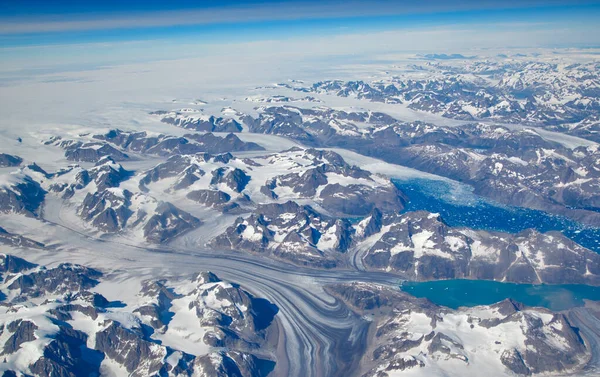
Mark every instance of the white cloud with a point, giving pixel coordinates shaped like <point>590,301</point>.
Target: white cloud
<point>347,42</point>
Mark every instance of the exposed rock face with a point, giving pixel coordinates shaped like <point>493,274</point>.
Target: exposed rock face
<point>410,334</point>
<point>68,355</point>
<point>158,310</point>
<point>359,200</point>
<point>371,224</point>
<point>204,178</point>
<point>93,152</point>
<point>223,182</point>
<point>530,91</point>
<point>216,144</point>
<point>292,232</point>
<point>168,222</point>
<point>422,247</point>
<point>587,128</point>
<point>144,358</point>
<point>306,207</point>
<point>12,265</point>
<point>282,121</point>
<point>234,178</point>
<point>66,330</point>
<point>282,99</point>
<point>107,173</point>
<point>211,198</point>
<point>9,160</point>
<point>224,364</point>
<point>415,245</point>
<point>107,210</point>
<point>21,194</point>
<point>22,332</point>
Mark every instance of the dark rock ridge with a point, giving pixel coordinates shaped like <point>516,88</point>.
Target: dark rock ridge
<point>211,198</point>
<point>216,144</point>
<point>282,99</point>
<point>189,170</point>
<point>21,194</point>
<point>447,56</point>
<point>89,151</point>
<point>587,128</point>
<point>168,222</point>
<point>231,316</point>
<point>185,166</point>
<point>359,200</point>
<point>9,160</point>
<point>10,264</point>
<point>164,145</point>
<point>141,357</point>
<point>317,175</point>
<point>116,144</point>
<point>16,240</point>
<point>68,355</point>
<point>22,332</point>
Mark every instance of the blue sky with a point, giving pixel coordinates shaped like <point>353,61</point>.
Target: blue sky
<point>39,22</point>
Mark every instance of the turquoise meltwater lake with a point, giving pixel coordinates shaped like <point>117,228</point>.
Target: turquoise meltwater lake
<point>456,293</point>
<point>459,206</point>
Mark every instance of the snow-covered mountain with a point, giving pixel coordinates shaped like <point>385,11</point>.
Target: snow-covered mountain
<point>192,119</point>
<point>423,247</point>
<point>148,204</point>
<point>516,166</point>
<point>54,323</point>
<point>415,337</point>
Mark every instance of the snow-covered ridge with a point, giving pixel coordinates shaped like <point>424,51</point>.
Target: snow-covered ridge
<point>508,91</point>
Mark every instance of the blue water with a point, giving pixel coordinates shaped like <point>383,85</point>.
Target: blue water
<point>456,293</point>
<point>459,206</point>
